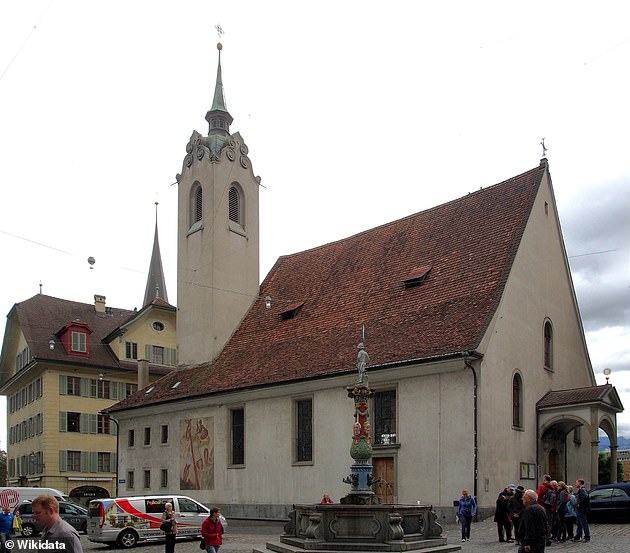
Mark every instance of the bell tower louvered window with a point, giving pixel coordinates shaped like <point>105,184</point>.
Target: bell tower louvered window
<point>235,207</point>
<point>198,213</point>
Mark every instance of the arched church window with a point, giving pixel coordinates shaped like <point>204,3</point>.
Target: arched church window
<point>235,201</point>
<point>517,401</point>
<point>198,207</point>
<point>548,345</point>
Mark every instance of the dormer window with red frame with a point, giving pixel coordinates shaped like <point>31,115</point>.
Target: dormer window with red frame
<point>75,338</point>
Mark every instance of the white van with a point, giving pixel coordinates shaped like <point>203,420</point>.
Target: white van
<point>12,497</point>
<point>125,521</point>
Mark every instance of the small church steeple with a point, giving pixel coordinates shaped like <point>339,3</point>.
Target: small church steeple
<point>218,118</point>
<point>156,284</point>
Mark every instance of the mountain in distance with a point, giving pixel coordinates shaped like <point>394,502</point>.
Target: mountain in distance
<point>622,443</point>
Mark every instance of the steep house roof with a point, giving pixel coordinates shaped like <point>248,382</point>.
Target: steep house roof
<point>41,317</point>
<point>425,286</point>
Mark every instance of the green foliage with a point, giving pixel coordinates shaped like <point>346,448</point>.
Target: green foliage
<point>604,469</point>
<point>3,468</point>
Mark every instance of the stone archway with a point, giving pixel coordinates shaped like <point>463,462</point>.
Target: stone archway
<point>583,411</point>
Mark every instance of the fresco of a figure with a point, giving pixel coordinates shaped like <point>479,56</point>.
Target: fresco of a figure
<point>196,454</point>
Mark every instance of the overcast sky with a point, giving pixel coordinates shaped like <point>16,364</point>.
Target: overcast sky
<point>355,114</point>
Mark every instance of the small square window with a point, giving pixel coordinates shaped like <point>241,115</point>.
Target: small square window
<point>79,342</point>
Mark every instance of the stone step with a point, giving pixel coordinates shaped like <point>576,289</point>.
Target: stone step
<point>428,546</point>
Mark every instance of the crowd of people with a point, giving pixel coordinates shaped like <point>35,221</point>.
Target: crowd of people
<point>534,519</point>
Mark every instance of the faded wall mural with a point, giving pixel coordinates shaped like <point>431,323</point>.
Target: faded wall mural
<point>196,454</point>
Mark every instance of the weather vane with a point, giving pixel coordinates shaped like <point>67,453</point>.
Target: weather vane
<point>542,143</point>
<point>220,31</point>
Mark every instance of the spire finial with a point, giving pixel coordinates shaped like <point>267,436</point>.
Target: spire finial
<point>544,148</point>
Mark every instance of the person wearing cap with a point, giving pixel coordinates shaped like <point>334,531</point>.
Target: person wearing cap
<point>501,515</point>
<point>515,509</point>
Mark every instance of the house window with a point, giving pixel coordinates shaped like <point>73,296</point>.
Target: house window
<point>103,424</point>
<point>237,435</point>
<point>104,461</point>
<point>130,389</point>
<point>147,436</point>
<point>157,355</point>
<point>79,341</point>
<point>385,417</point>
<point>198,205</point>
<point>548,345</point>
<point>164,434</point>
<point>131,438</point>
<point>73,386</point>
<point>131,350</point>
<point>164,478</point>
<point>304,431</point>
<point>517,401</point>
<point>73,422</point>
<point>103,389</point>
<point>130,477</point>
<point>159,326</point>
<point>147,478</point>
<point>235,207</point>
<point>73,461</point>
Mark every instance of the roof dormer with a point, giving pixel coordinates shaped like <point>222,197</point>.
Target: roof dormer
<point>75,338</point>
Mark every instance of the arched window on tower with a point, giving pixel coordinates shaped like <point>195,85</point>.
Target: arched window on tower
<point>517,401</point>
<point>195,215</point>
<point>235,207</point>
<point>548,345</point>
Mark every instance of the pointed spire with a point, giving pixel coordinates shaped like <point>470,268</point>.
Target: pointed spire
<point>156,284</point>
<point>218,118</point>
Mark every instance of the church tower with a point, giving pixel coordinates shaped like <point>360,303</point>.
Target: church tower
<point>218,236</point>
<point>156,283</point>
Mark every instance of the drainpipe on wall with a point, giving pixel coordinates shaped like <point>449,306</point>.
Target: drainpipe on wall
<point>475,442</point>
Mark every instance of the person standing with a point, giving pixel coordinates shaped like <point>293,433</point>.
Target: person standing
<point>501,515</point>
<point>582,509</point>
<point>546,498</point>
<point>561,510</point>
<point>168,516</point>
<point>326,499</point>
<point>466,511</point>
<point>6,526</point>
<point>569,518</point>
<point>533,526</point>
<point>515,508</point>
<point>56,531</point>
<point>212,531</point>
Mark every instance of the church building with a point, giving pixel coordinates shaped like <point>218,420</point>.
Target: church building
<point>477,354</point>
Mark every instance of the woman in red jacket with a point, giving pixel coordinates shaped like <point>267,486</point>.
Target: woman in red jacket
<point>212,531</point>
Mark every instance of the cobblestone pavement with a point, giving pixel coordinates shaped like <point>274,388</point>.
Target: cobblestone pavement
<point>243,537</point>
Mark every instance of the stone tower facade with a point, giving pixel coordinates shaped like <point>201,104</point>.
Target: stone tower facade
<point>218,236</point>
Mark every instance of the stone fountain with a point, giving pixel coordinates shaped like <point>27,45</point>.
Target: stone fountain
<point>360,522</point>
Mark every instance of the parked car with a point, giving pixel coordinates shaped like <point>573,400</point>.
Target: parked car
<point>72,513</point>
<point>610,501</point>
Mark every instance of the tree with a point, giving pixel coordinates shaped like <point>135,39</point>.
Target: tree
<point>604,469</point>
<point>3,467</point>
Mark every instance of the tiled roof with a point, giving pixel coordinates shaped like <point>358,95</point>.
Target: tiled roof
<point>559,398</point>
<point>41,316</point>
<point>469,244</point>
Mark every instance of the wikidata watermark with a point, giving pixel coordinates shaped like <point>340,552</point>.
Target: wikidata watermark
<point>27,544</point>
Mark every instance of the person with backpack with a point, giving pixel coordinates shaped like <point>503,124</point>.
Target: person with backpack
<point>582,509</point>
<point>546,494</point>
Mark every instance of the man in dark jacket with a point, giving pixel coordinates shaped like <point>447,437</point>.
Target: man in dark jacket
<point>533,524</point>
<point>501,515</point>
<point>582,509</point>
<point>515,509</point>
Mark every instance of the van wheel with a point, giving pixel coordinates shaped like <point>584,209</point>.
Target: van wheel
<point>128,538</point>
<point>28,530</point>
